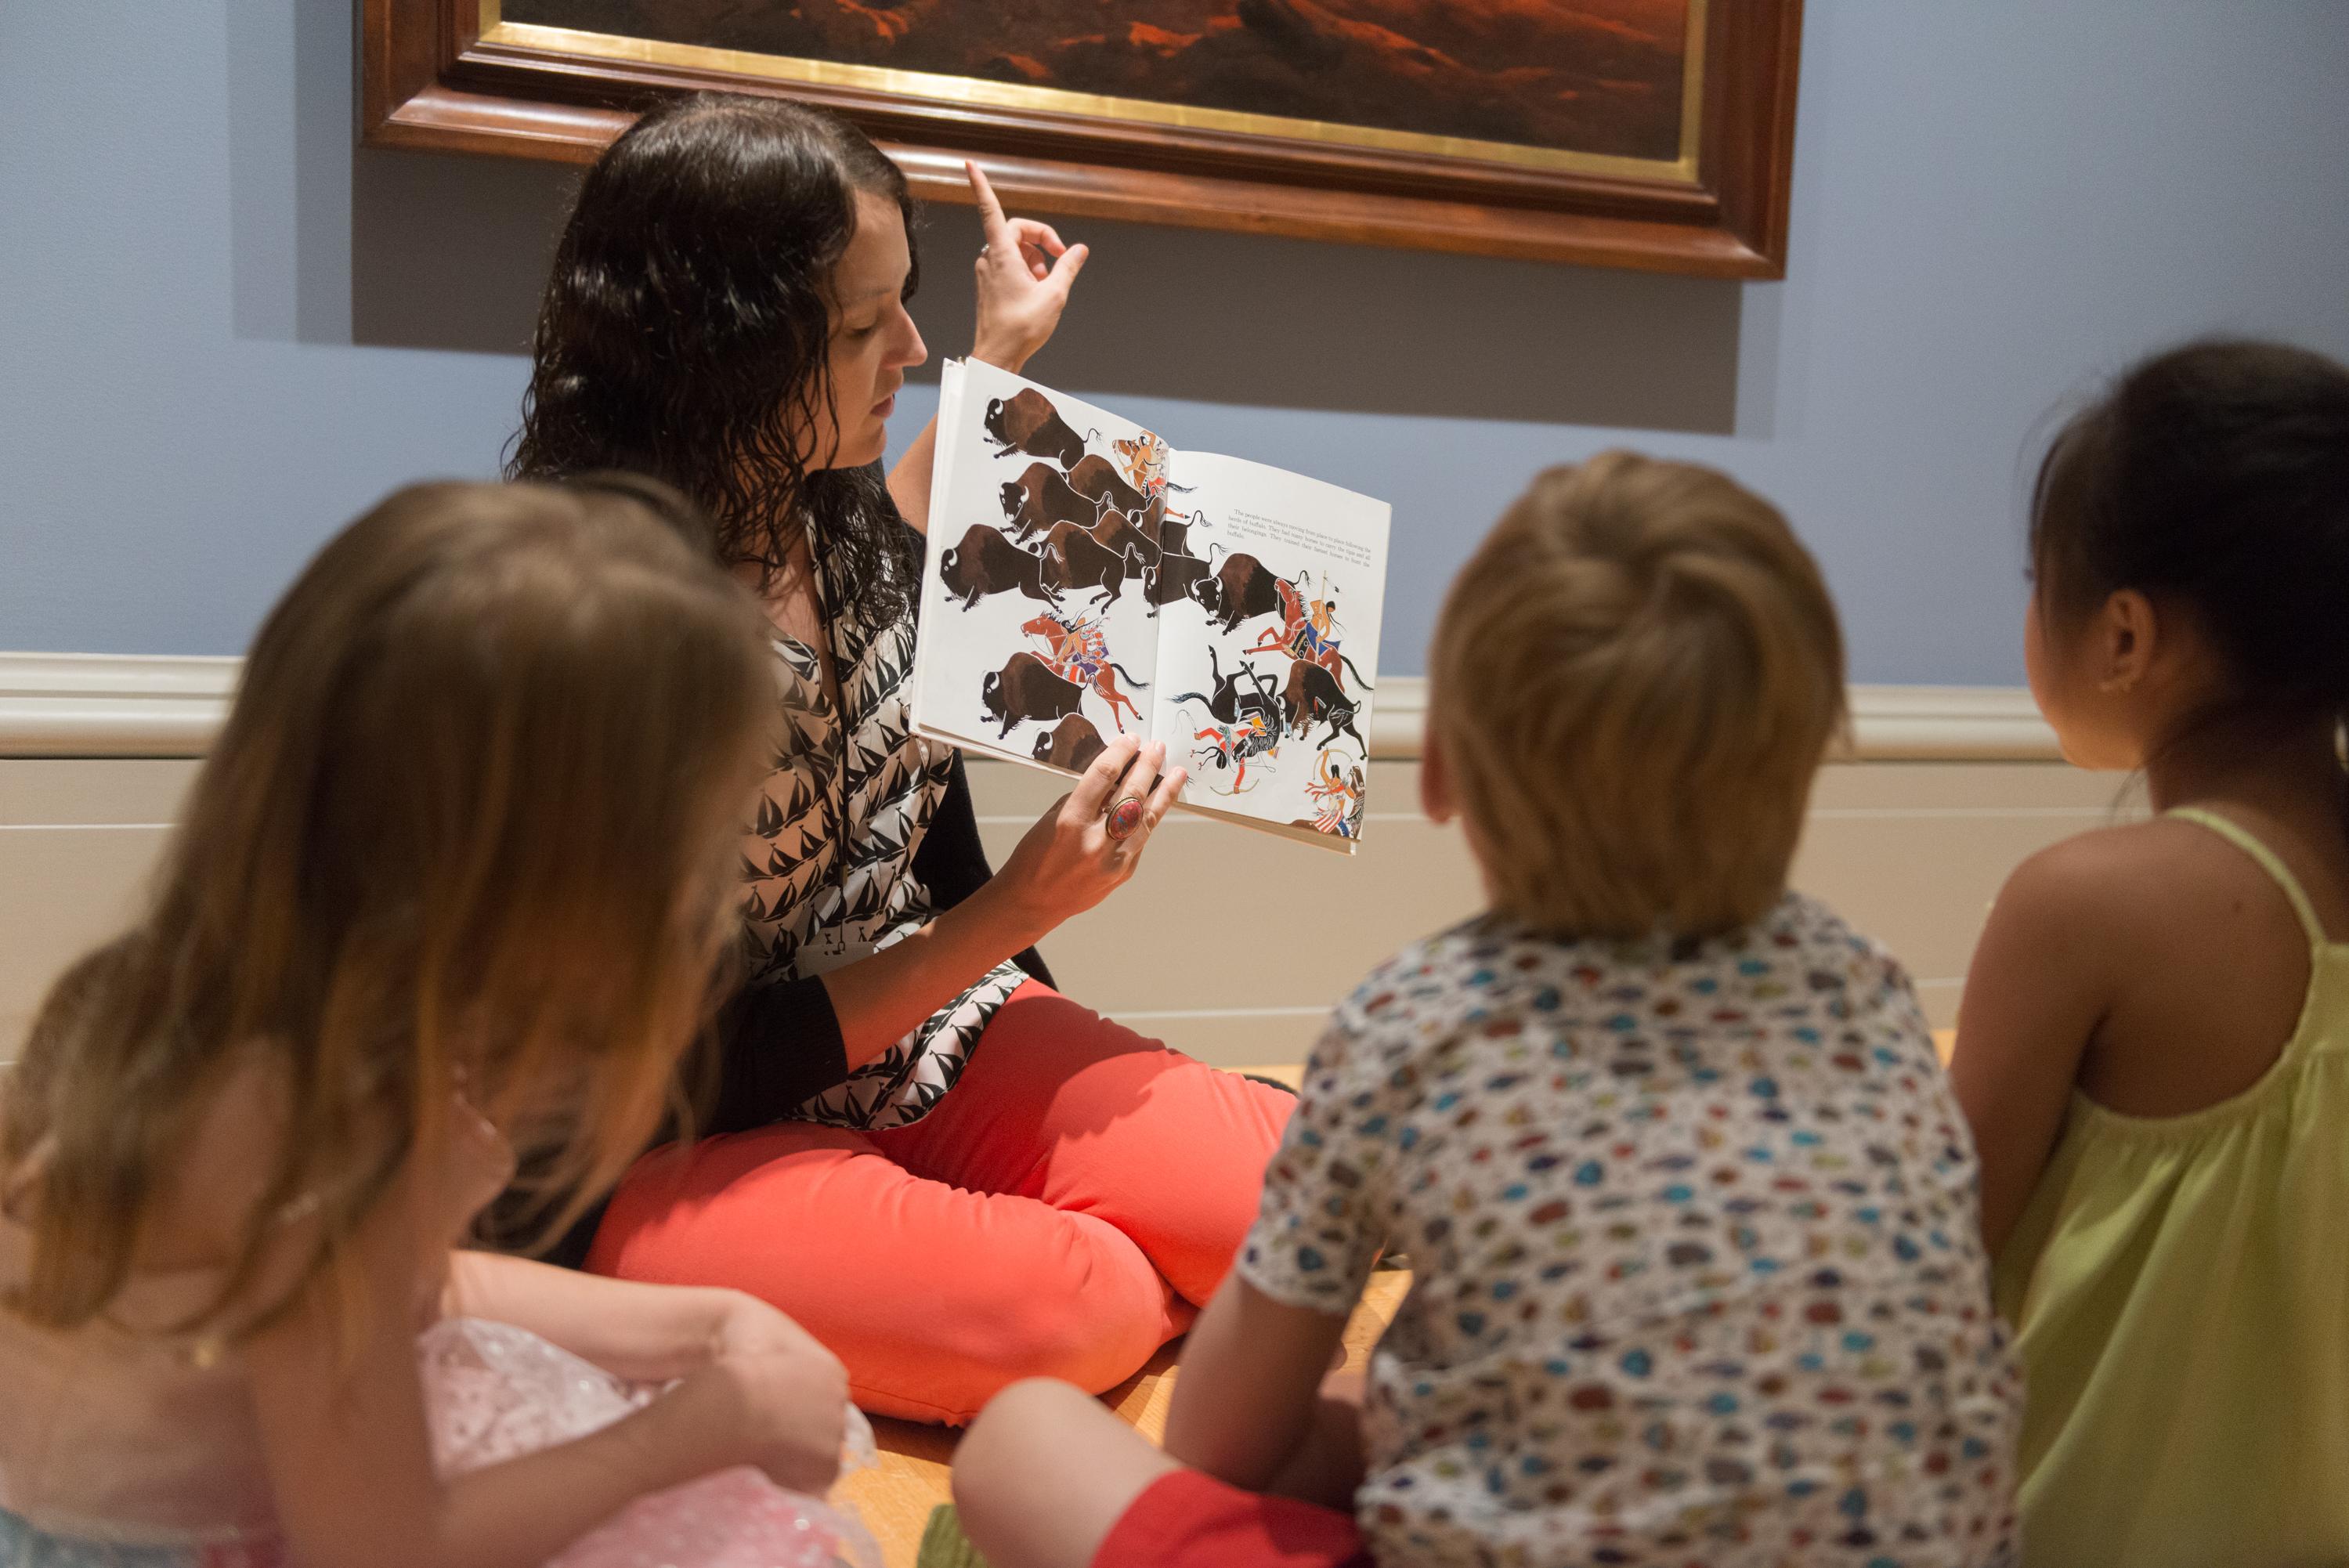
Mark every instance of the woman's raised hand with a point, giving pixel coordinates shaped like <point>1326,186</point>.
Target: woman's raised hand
<point>1086,845</point>
<point>1025,273</point>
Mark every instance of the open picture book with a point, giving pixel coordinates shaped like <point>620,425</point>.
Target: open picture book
<point>1085,580</point>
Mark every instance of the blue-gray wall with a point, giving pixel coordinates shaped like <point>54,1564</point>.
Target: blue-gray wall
<point>222,332</point>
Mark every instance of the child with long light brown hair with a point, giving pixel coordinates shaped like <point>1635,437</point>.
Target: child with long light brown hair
<point>454,882</point>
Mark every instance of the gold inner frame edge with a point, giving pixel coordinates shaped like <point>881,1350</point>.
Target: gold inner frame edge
<point>948,90</point>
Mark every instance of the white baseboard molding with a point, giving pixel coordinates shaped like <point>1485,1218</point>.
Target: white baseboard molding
<point>112,704</point>
<point>1889,723</point>
<point>1931,722</point>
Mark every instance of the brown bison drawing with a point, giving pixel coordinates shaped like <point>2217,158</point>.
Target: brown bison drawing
<point>1172,532</point>
<point>1026,688</point>
<point>1116,531</point>
<point>1242,587</point>
<point>1313,695</point>
<point>1174,577</point>
<point>1073,743</point>
<point>1029,423</point>
<point>1040,497</point>
<point>1097,479</point>
<point>1074,559</point>
<point>986,562</point>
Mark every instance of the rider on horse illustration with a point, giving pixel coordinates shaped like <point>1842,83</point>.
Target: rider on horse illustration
<point>1081,650</point>
<point>1308,629</point>
<point>1078,652</point>
<point>1317,629</point>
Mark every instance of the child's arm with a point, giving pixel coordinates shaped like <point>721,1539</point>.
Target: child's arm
<point>2037,990</point>
<point>1247,1408</point>
<point>344,1428</point>
<point>643,1333</point>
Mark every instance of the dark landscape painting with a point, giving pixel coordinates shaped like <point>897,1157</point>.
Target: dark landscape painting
<point>1593,77</point>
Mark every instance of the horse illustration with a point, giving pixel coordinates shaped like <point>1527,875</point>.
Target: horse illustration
<point>1307,629</point>
<point>1077,652</point>
<point>1227,701</point>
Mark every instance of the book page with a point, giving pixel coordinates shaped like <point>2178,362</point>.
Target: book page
<point>1270,652</point>
<point>1039,641</point>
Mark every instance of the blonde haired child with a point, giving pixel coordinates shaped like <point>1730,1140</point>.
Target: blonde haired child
<point>2154,1046</point>
<point>1690,1210</point>
<point>455,877</point>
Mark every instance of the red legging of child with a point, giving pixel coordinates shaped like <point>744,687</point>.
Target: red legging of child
<point>1061,1214</point>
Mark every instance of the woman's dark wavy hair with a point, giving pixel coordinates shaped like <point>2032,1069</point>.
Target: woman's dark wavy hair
<point>684,330</point>
<point>2216,476</point>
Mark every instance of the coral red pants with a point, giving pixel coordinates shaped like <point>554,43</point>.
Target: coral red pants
<point>1060,1214</point>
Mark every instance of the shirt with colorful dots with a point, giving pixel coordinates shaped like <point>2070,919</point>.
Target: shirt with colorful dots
<point>1698,1271</point>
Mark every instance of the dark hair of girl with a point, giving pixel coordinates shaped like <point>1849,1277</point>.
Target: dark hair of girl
<point>2214,476</point>
<point>684,331</point>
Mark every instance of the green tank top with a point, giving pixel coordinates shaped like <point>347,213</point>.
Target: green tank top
<point>2179,1287</point>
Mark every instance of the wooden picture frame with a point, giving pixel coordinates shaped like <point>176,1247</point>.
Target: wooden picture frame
<point>453,76</point>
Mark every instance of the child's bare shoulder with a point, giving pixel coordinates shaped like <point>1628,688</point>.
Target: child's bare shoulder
<point>2133,884</point>
<point>2106,869</point>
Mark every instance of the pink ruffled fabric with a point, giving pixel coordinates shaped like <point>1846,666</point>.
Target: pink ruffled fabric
<point>494,1392</point>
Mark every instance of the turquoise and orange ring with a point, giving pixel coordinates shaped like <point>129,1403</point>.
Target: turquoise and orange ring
<point>1124,817</point>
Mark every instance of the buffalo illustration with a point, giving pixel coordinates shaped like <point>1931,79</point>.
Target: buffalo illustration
<point>1313,695</point>
<point>1096,479</point>
<point>1029,423</point>
<point>1174,577</point>
<point>1072,743</point>
<point>1241,588</point>
<point>1074,559</point>
<point>986,562</point>
<point>1040,497</point>
<point>1026,688</point>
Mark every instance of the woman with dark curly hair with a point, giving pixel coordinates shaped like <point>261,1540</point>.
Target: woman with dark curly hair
<point>952,1175</point>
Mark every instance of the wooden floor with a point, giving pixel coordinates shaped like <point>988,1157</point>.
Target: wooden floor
<point>895,1498</point>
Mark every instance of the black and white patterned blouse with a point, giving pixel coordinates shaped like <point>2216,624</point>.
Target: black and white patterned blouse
<point>831,849</point>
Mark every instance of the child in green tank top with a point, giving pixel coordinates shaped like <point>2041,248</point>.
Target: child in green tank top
<point>2154,1054</point>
